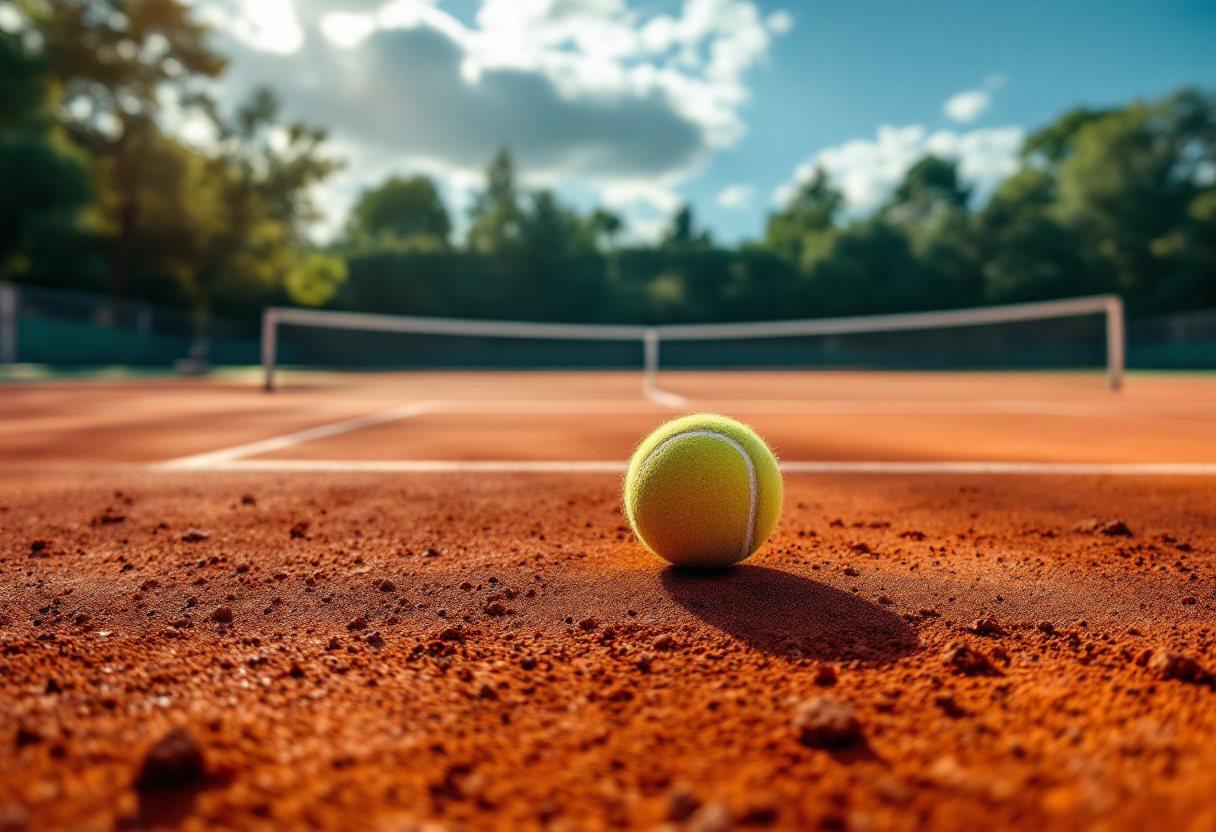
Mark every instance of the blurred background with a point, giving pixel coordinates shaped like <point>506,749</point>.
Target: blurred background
<point>169,168</point>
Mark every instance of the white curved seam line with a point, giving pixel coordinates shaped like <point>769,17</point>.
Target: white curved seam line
<point>751,476</point>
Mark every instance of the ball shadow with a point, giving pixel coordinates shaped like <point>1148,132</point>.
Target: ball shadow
<point>787,615</point>
<point>167,808</point>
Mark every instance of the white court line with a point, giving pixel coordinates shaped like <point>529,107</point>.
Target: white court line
<point>1121,469</point>
<point>237,458</point>
<point>457,466</point>
<point>423,466</point>
<point>278,443</point>
<point>664,397</point>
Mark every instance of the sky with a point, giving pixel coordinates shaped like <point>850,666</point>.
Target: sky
<point>642,105</point>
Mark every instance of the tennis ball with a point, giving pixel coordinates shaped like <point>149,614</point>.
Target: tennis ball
<point>703,491</point>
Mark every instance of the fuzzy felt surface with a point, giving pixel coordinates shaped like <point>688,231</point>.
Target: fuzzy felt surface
<point>688,491</point>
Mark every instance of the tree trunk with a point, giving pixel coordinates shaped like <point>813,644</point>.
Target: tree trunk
<point>126,180</point>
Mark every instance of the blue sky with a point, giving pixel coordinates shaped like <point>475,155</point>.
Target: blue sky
<point>724,103</point>
<point>849,67</point>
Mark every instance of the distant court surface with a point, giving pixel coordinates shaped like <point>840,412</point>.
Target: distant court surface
<point>411,599</point>
<point>583,418</point>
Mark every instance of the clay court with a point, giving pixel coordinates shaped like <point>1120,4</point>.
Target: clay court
<point>410,602</point>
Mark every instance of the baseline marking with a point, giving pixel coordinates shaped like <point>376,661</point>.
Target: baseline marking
<point>213,459</point>
<point>457,466</point>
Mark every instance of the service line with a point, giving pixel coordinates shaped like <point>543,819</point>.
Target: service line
<point>213,459</point>
<point>238,457</point>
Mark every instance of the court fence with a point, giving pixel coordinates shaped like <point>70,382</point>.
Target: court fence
<point>76,329</point>
<point>1180,341</point>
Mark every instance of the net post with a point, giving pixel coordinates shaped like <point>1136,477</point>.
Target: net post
<point>650,344</point>
<point>1115,342</point>
<point>270,335</point>
<point>8,323</point>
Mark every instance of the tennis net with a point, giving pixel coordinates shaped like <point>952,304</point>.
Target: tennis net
<point>1077,334</point>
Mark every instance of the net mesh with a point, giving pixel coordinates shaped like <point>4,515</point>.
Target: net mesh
<point>1069,335</point>
<point>354,349</point>
<point>1073,343</point>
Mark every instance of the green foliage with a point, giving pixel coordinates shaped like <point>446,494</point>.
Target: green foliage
<point>683,233</point>
<point>93,190</point>
<point>255,230</point>
<point>551,229</point>
<point>496,217</point>
<point>315,279</point>
<point>810,215</point>
<point>1025,253</point>
<point>24,84</point>
<point>116,62</point>
<point>930,193</point>
<point>1106,201</point>
<point>1130,187</point>
<point>119,58</point>
<point>1054,143</point>
<point>43,182</point>
<point>405,214</point>
<point>604,227</point>
<point>645,285</point>
<point>219,227</point>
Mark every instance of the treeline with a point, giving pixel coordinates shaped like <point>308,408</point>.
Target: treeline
<point>1119,200</point>
<point>99,191</point>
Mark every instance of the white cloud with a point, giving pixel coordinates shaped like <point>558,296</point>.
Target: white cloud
<point>965,106</point>
<point>591,93</point>
<point>779,22</point>
<point>347,30</point>
<point>985,157</point>
<point>268,26</point>
<point>736,196</point>
<point>655,196</point>
<point>645,232</point>
<point>868,170</point>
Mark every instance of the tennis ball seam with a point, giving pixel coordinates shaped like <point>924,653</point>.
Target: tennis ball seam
<point>752,485</point>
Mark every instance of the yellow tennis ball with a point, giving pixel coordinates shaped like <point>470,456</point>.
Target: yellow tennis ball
<point>703,491</point>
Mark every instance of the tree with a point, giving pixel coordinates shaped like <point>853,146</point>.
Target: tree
<point>550,229</point>
<point>496,217</point>
<point>1025,252</point>
<point>810,213</point>
<point>400,213</point>
<point>605,226</point>
<point>931,188</point>
<point>44,182</point>
<point>117,61</point>
<point>315,278</point>
<point>226,229</point>
<point>867,267</point>
<point>1054,143</point>
<point>255,235</point>
<point>1135,187</point>
<point>683,232</point>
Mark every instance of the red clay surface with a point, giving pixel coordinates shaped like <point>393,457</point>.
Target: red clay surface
<point>805,436</point>
<point>568,416</point>
<point>528,666</point>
